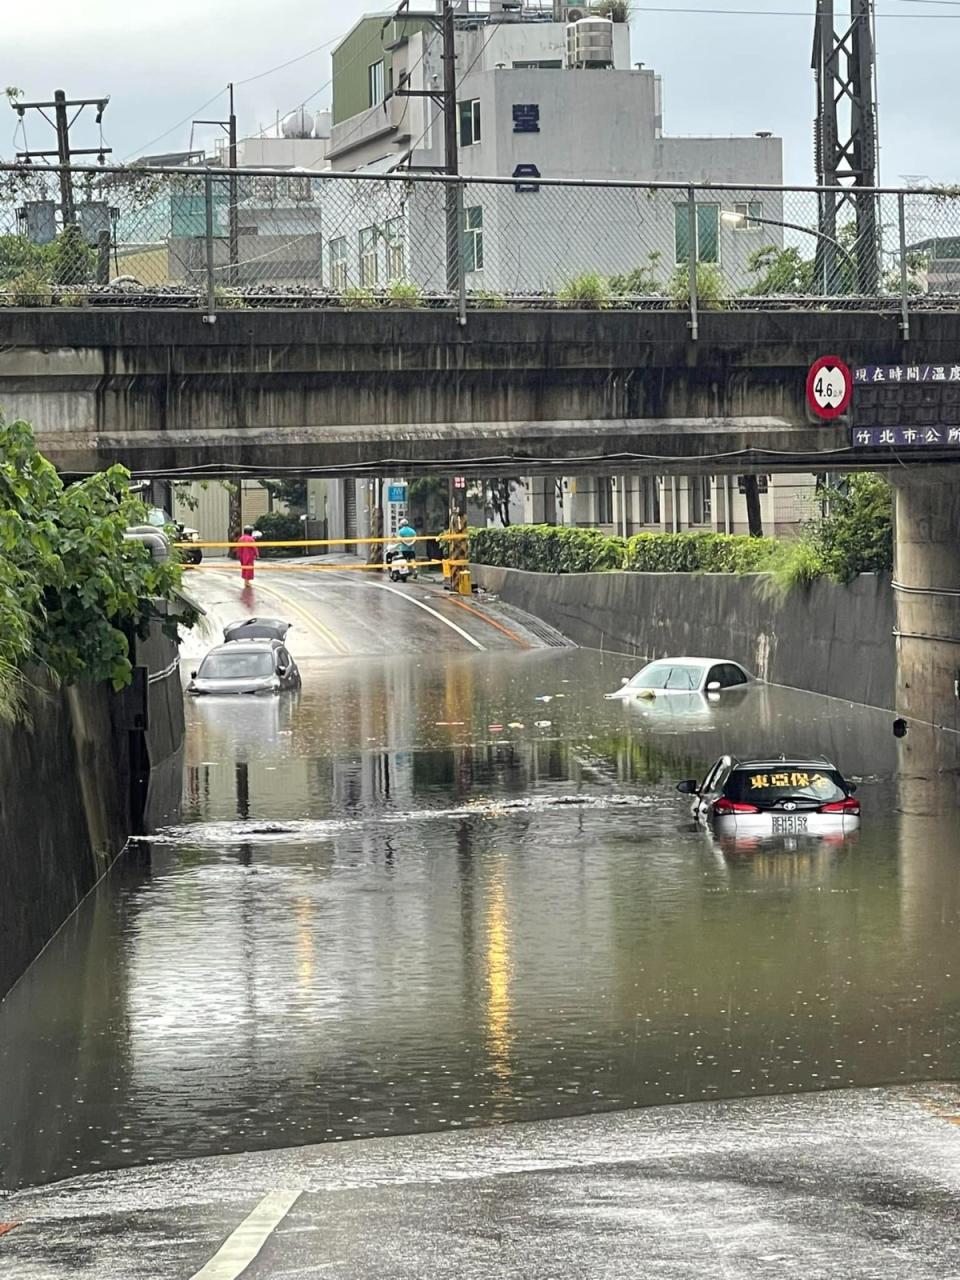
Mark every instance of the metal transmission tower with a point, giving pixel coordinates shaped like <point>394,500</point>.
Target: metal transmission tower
<point>845,141</point>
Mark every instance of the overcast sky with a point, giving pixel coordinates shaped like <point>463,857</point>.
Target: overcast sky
<point>723,72</point>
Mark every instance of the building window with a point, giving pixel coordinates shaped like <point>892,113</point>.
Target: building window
<point>545,64</point>
<point>708,233</point>
<point>604,511</point>
<point>469,122</point>
<point>375,83</point>
<point>393,236</point>
<point>473,238</point>
<point>337,252</point>
<point>701,499</point>
<point>368,256</point>
<point>749,214</point>
<point>649,500</point>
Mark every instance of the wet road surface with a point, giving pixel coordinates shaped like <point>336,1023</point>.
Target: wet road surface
<point>863,1184</point>
<point>449,886</point>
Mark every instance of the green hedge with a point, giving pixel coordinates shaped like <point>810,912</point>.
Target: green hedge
<point>548,548</point>
<point>552,549</point>
<point>280,526</point>
<point>698,553</point>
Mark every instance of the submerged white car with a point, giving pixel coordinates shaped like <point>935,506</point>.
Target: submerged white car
<point>766,797</point>
<point>683,675</point>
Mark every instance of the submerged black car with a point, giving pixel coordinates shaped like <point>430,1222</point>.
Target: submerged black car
<point>773,797</point>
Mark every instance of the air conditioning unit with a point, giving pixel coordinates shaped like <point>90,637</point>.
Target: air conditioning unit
<point>573,13</point>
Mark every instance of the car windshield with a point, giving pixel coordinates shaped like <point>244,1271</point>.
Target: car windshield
<point>236,666</point>
<point>668,675</point>
<point>765,785</point>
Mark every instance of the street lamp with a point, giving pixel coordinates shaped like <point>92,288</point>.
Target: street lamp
<point>742,220</point>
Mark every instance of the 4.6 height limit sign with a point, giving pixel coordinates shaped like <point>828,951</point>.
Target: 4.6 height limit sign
<point>829,387</point>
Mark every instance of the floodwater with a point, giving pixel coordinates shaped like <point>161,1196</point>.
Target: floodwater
<point>417,898</point>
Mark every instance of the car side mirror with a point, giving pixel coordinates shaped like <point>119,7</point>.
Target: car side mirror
<point>193,675</point>
<point>281,670</point>
<point>624,681</point>
<point>852,788</point>
<point>714,686</point>
<point>688,788</point>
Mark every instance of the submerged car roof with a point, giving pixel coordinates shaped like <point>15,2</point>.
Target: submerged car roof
<point>694,662</point>
<point>778,762</point>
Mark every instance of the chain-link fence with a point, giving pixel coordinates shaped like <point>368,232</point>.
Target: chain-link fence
<point>215,239</point>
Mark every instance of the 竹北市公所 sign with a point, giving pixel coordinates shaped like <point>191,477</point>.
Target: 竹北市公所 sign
<point>906,437</point>
<point>906,406</point>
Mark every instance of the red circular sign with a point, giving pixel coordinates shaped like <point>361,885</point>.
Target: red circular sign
<point>829,387</point>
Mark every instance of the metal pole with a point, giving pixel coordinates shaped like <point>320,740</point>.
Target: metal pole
<point>210,317</point>
<point>904,307</point>
<point>103,257</point>
<point>234,221</point>
<point>63,150</point>
<point>450,155</point>
<point>694,321</point>
<point>460,262</point>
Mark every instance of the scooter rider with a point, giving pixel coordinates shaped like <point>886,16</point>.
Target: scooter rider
<point>404,549</point>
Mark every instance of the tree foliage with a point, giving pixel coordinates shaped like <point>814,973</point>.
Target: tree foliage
<point>72,589</point>
<point>291,489</point>
<point>493,494</point>
<point>856,534</point>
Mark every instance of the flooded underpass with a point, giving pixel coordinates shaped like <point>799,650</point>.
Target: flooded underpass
<point>445,891</point>
<point>448,888</point>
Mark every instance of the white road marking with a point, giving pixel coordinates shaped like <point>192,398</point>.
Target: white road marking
<point>239,1250</point>
<point>439,616</point>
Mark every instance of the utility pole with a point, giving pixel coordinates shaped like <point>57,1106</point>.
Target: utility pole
<point>233,213</point>
<point>235,487</point>
<point>64,153</point>
<point>234,222</point>
<point>844,64</point>
<point>446,100</point>
<point>450,151</point>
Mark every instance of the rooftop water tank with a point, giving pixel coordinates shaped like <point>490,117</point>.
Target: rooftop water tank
<point>590,43</point>
<point>298,124</point>
<point>322,124</point>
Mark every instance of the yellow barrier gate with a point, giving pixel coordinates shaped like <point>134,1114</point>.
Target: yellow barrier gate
<point>452,566</point>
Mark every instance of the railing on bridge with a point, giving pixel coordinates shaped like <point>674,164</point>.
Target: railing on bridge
<point>216,239</point>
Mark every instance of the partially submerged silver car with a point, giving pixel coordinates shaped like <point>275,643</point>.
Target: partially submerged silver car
<point>253,660</point>
<point>668,677</point>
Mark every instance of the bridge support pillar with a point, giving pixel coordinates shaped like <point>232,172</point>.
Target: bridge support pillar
<point>927,584</point>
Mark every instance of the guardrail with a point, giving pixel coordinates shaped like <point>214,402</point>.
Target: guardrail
<point>215,239</point>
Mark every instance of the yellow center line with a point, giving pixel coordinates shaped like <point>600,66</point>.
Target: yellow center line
<point>320,628</point>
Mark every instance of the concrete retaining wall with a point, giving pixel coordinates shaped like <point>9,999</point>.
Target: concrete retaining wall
<point>830,639</point>
<point>78,777</point>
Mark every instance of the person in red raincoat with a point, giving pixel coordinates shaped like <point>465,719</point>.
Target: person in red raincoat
<point>247,553</point>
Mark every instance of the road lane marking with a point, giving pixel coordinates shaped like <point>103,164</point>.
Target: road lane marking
<point>433,613</point>
<point>239,1249</point>
<point>320,628</point>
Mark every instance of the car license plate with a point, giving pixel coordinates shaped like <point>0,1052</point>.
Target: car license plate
<point>789,824</point>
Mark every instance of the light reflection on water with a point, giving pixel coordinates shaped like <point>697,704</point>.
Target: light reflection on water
<point>381,914</point>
